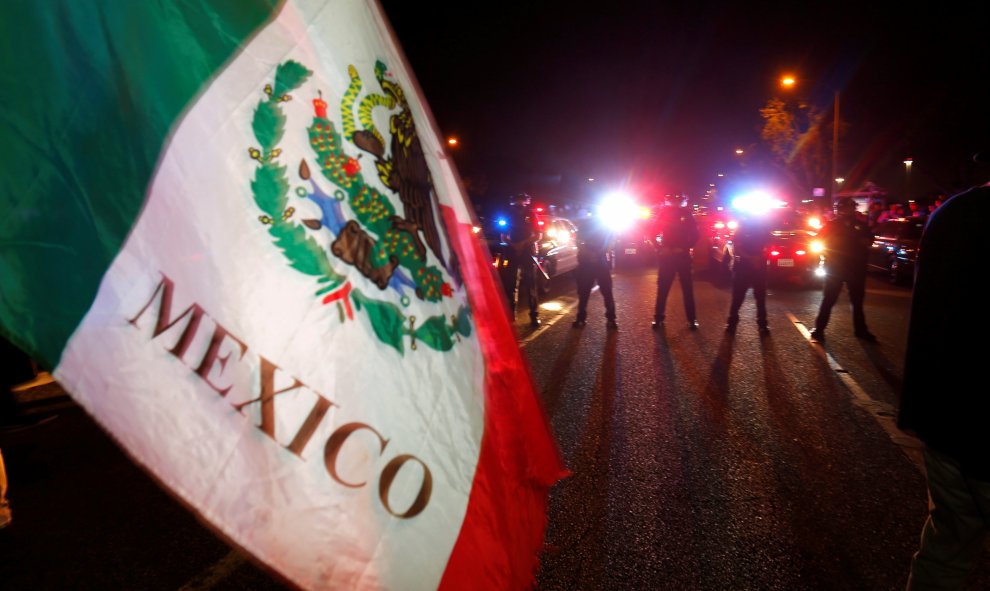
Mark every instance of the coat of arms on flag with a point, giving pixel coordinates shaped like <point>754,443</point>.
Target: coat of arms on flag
<point>387,247</point>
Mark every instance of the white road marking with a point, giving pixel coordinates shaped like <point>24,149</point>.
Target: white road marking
<point>564,312</point>
<point>883,413</point>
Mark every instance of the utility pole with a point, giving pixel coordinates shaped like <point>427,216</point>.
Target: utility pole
<point>835,148</point>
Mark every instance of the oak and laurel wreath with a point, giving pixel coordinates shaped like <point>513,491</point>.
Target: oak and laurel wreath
<point>270,187</point>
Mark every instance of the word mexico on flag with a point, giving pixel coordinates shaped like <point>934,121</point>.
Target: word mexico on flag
<point>231,231</point>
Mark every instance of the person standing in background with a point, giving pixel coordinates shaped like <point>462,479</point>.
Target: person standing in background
<point>892,212</point>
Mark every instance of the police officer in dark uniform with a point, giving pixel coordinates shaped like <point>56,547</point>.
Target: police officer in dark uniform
<point>522,240</point>
<point>847,239</point>
<point>751,240</point>
<point>677,234</point>
<point>594,242</point>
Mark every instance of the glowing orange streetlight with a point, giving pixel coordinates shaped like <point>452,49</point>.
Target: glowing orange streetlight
<point>452,141</point>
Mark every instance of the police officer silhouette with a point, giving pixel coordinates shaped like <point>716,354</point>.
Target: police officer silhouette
<point>749,268</point>
<point>677,234</point>
<point>594,241</point>
<point>522,239</point>
<point>847,239</point>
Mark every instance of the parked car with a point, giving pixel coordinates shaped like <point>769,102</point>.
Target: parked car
<point>558,249</point>
<point>636,245</point>
<point>895,248</point>
<point>794,254</point>
<point>490,232</point>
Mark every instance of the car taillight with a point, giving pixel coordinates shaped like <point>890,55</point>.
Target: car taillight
<point>783,252</point>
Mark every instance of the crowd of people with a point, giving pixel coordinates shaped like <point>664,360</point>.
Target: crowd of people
<point>883,209</point>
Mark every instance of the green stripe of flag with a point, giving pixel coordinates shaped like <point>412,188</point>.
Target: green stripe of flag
<point>89,91</point>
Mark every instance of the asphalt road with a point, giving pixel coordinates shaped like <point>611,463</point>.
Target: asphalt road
<point>703,460</point>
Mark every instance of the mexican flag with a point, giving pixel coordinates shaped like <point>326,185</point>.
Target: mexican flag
<point>231,231</point>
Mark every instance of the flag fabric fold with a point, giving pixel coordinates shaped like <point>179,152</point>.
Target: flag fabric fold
<point>234,236</point>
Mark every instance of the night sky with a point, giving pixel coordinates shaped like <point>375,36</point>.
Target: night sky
<point>658,94</point>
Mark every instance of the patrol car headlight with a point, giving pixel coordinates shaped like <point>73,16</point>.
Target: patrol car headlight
<point>618,211</point>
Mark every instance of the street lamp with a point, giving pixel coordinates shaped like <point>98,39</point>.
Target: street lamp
<point>907,177</point>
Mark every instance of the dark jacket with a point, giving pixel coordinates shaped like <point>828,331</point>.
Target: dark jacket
<point>594,242</point>
<point>944,399</point>
<point>521,234</point>
<point>847,244</point>
<point>677,230</point>
<point>751,239</point>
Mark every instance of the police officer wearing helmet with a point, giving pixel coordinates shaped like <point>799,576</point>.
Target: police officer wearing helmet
<point>847,239</point>
<point>677,234</point>
<point>749,268</point>
<point>522,238</point>
<point>594,242</point>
